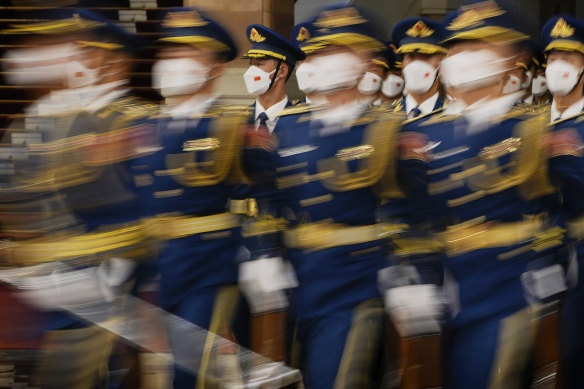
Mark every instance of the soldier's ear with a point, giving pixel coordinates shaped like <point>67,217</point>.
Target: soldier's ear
<point>283,71</point>
<point>218,70</point>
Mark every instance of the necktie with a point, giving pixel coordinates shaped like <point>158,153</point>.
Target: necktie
<point>263,119</point>
<point>415,112</point>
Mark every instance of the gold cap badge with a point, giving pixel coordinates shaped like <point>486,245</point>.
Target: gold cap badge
<point>475,14</point>
<point>339,18</point>
<point>303,34</point>
<point>420,30</point>
<point>181,19</point>
<point>255,36</point>
<point>562,29</point>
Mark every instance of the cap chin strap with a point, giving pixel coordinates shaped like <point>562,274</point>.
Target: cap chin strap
<point>577,82</point>
<point>275,74</point>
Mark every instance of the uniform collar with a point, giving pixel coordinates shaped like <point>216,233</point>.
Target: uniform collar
<point>425,107</point>
<point>481,113</point>
<point>528,99</point>
<point>196,105</point>
<point>454,107</point>
<point>572,110</point>
<point>273,111</point>
<point>341,114</point>
<point>56,102</point>
<point>109,93</point>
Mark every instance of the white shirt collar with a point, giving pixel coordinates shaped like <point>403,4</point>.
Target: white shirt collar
<point>272,112</point>
<point>340,115</point>
<point>55,103</point>
<point>572,110</point>
<point>196,105</point>
<point>528,99</point>
<point>481,113</point>
<point>106,94</point>
<point>425,107</point>
<point>454,107</point>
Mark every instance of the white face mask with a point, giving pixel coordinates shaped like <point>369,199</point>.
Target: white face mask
<point>470,70</point>
<point>512,85</point>
<point>338,71</point>
<point>562,77</point>
<point>78,75</point>
<point>369,84</point>
<point>257,81</point>
<point>179,76</point>
<point>539,86</point>
<point>306,77</point>
<point>528,79</point>
<point>39,65</point>
<point>419,76</point>
<point>392,85</point>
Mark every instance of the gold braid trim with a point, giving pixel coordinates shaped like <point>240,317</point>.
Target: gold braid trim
<point>219,161</point>
<point>380,136</point>
<point>528,169</point>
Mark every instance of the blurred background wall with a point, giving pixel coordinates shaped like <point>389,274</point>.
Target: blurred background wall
<point>142,17</point>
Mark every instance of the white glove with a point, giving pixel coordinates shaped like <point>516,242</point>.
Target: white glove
<point>67,286</point>
<point>397,275</point>
<point>415,309</point>
<point>543,283</point>
<point>263,282</point>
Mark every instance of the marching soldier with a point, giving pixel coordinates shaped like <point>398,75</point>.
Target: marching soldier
<point>393,84</point>
<point>305,73</point>
<point>487,175</point>
<point>330,164</point>
<point>193,188</point>
<point>272,59</point>
<point>371,81</point>
<point>90,262</point>
<point>539,89</point>
<point>418,40</point>
<point>563,37</point>
<point>416,261</point>
<point>529,64</point>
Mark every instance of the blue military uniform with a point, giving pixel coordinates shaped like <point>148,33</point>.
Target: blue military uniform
<point>336,273</point>
<point>193,190</point>
<point>418,36</point>
<point>94,190</point>
<point>266,43</point>
<point>327,169</point>
<point>414,246</point>
<point>566,33</point>
<point>488,181</point>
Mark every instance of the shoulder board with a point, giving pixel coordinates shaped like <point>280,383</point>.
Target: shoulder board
<point>439,118</point>
<point>424,116</point>
<point>131,108</point>
<point>397,106</point>
<point>373,114</point>
<point>222,108</point>
<point>296,101</point>
<point>236,108</point>
<point>518,111</point>
<point>299,108</point>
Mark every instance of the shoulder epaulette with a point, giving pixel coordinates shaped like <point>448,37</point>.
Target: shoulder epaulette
<point>236,107</point>
<point>130,108</point>
<point>299,108</point>
<point>516,111</point>
<point>439,118</point>
<point>412,120</point>
<point>222,108</point>
<point>397,106</point>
